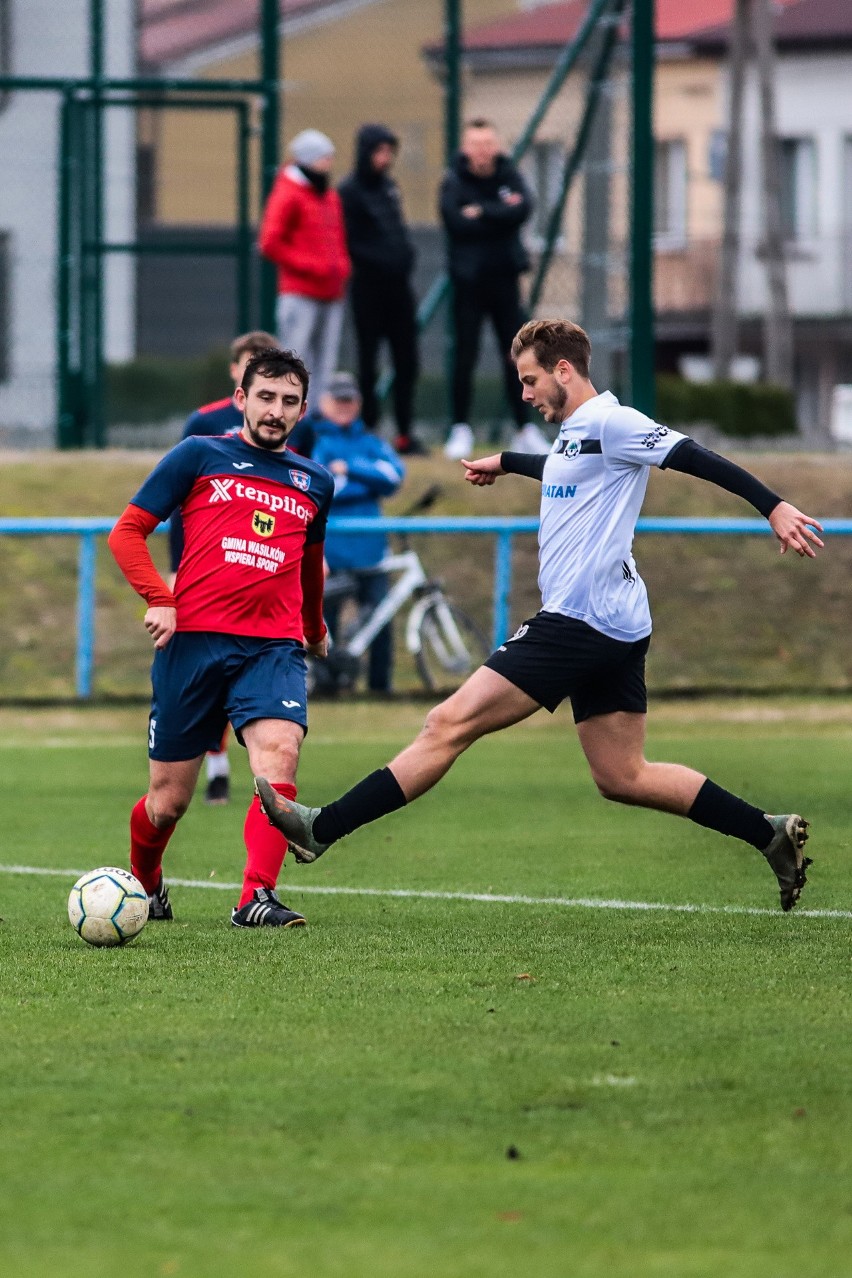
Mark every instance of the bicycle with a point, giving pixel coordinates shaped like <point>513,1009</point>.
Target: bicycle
<point>447,645</point>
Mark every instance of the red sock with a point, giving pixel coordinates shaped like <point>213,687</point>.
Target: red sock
<point>265,845</point>
<point>147,845</point>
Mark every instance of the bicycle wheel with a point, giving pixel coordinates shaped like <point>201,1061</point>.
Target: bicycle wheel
<point>451,647</point>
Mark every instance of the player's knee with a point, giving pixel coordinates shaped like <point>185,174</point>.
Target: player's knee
<point>616,786</point>
<point>167,811</point>
<point>280,760</point>
<point>443,726</point>
<point>166,806</point>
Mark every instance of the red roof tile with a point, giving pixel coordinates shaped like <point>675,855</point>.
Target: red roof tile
<point>556,24</point>
<point>173,29</point>
<point>803,22</point>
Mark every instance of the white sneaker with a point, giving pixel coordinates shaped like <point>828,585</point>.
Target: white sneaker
<point>529,439</point>
<point>459,442</point>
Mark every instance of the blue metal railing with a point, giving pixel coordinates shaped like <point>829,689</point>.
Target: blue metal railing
<point>503,528</point>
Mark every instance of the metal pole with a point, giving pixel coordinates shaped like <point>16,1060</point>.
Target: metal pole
<point>502,586</point>
<point>95,406</point>
<point>270,140</point>
<point>452,121</point>
<point>777,322</point>
<point>85,658</point>
<point>452,73</point>
<point>642,391</point>
<point>64,415</point>
<point>243,225</point>
<point>563,67</point>
<point>124,84</point>
<point>597,79</point>
<point>724,333</point>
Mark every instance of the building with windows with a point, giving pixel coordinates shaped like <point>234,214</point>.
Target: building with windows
<point>508,62</point>
<point>814,124</point>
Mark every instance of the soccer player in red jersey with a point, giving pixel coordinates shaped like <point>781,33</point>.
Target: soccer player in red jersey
<point>231,638</point>
<point>223,417</point>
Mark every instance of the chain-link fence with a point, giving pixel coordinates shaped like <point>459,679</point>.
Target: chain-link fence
<point>128,252</point>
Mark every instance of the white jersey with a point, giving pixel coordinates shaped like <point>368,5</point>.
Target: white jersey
<point>591,494</point>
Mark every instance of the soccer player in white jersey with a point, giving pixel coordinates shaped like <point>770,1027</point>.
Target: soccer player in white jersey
<point>589,640</point>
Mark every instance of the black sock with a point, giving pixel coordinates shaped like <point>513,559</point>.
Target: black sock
<point>374,797</point>
<point>718,809</point>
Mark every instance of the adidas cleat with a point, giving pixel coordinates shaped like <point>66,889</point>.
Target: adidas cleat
<point>159,905</point>
<point>784,854</point>
<point>265,910</point>
<point>293,820</point>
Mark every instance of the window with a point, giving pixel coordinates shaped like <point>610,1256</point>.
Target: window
<point>670,193</point>
<point>798,187</point>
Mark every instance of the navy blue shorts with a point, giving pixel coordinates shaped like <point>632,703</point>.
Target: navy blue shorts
<point>553,657</point>
<point>203,681</point>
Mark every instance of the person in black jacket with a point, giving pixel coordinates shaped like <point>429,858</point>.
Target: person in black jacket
<point>382,255</point>
<point>484,202</point>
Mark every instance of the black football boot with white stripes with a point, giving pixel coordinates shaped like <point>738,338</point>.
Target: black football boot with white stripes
<point>159,905</point>
<point>265,910</point>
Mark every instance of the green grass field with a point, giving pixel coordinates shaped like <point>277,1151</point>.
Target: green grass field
<point>416,1085</point>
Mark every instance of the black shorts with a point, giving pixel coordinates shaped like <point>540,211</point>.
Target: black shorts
<point>553,657</point>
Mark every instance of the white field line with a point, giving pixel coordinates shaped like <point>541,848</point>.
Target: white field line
<point>482,898</point>
<point>74,743</point>
<point>139,739</point>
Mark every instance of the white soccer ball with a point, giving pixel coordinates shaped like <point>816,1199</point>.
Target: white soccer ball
<point>108,906</point>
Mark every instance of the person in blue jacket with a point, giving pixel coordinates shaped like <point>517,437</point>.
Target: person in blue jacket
<point>365,469</point>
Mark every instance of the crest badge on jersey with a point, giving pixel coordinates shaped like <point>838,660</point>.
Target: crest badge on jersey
<point>573,448</point>
<point>300,480</point>
<point>262,523</point>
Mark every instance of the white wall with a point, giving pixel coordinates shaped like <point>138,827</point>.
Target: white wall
<point>812,100</point>
<point>52,39</point>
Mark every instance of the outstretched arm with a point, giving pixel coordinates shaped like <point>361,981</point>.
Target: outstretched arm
<point>485,470</point>
<point>792,528</point>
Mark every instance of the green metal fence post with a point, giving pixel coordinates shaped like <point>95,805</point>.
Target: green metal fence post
<point>243,222</point>
<point>95,361</point>
<point>558,76</point>
<point>270,141</point>
<point>642,392</point>
<point>452,131</point>
<point>597,79</point>
<point>64,415</point>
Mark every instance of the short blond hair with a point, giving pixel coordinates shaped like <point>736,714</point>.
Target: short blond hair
<point>251,344</point>
<point>551,340</point>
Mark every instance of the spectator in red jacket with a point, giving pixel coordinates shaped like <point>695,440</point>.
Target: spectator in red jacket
<point>302,232</point>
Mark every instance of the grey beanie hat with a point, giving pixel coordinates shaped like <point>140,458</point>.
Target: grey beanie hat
<point>310,145</point>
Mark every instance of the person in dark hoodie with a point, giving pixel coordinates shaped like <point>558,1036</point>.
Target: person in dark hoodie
<point>484,202</point>
<point>382,253</point>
